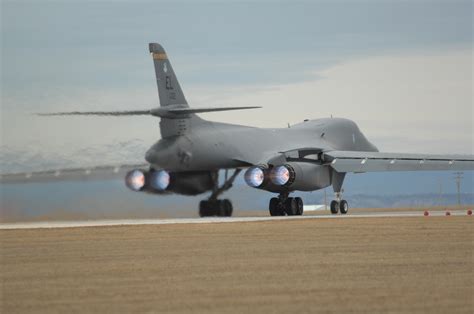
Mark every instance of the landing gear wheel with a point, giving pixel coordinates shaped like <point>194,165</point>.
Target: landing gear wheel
<point>205,209</point>
<point>213,206</point>
<point>272,206</point>
<point>299,206</point>
<point>291,207</point>
<point>220,208</point>
<point>228,208</point>
<point>284,205</point>
<point>275,208</point>
<point>343,207</point>
<point>334,207</point>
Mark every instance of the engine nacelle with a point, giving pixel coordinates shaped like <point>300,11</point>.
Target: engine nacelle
<point>163,182</point>
<point>301,176</point>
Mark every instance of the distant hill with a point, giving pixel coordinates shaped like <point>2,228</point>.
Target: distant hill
<point>111,199</point>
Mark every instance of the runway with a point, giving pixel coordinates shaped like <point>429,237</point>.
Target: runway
<point>333,264</point>
<point>211,220</point>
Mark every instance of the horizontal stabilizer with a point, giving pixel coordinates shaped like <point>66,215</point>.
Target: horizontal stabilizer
<point>201,110</point>
<point>162,112</point>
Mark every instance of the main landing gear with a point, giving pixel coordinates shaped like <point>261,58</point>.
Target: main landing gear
<point>339,205</point>
<point>220,208</point>
<point>214,206</point>
<point>284,205</point>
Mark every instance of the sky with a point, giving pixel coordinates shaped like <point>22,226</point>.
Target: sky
<point>401,69</point>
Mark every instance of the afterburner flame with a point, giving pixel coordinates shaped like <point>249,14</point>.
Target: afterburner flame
<point>160,180</point>
<point>254,177</point>
<point>135,180</point>
<point>280,175</point>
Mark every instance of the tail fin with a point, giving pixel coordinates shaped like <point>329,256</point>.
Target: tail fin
<point>176,116</point>
<point>169,91</point>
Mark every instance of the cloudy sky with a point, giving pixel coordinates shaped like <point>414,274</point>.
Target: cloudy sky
<point>401,69</point>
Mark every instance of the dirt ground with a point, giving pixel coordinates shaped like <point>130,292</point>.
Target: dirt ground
<point>422,264</point>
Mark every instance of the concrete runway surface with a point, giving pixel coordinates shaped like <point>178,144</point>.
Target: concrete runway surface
<point>397,262</point>
<point>131,222</point>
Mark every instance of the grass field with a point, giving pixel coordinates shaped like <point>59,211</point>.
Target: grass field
<point>420,264</point>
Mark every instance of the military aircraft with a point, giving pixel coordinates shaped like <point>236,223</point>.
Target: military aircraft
<point>308,156</point>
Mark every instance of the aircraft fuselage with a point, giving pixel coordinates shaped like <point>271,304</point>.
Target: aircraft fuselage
<point>212,146</point>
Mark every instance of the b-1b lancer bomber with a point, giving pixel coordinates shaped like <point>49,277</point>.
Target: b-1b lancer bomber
<point>308,156</point>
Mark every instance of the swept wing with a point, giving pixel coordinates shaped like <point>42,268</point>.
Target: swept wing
<point>351,161</point>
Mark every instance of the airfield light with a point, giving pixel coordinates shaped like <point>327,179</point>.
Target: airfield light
<point>254,177</point>
<point>135,180</point>
<point>160,180</point>
<point>280,175</point>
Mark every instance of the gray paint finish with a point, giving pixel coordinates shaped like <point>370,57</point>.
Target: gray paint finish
<point>321,151</point>
<point>212,146</point>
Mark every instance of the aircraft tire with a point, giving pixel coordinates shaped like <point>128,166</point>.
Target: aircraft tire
<point>228,208</point>
<point>343,207</point>
<point>291,206</point>
<point>204,209</point>
<point>219,208</point>
<point>215,208</point>
<point>300,206</point>
<point>273,207</point>
<point>334,207</point>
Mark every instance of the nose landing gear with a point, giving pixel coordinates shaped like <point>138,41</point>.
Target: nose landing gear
<point>339,205</point>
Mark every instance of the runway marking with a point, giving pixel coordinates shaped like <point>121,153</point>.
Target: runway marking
<point>170,221</point>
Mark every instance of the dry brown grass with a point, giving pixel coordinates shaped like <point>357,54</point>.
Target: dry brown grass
<point>333,265</point>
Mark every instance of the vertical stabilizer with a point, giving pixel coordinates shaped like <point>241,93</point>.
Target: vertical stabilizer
<point>169,91</point>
